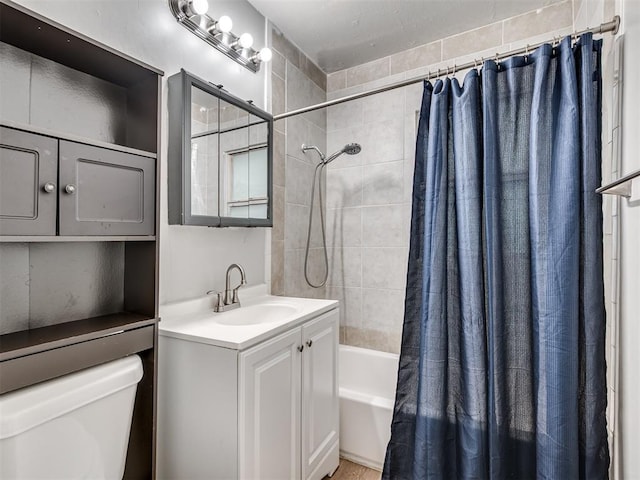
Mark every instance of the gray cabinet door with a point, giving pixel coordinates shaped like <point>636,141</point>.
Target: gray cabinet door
<point>28,183</point>
<point>104,192</point>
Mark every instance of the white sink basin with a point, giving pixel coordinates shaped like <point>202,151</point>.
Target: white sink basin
<point>256,314</point>
<point>260,317</point>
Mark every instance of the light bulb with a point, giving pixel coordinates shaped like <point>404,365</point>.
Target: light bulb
<point>246,40</point>
<point>199,7</point>
<point>225,24</point>
<point>265,54</point>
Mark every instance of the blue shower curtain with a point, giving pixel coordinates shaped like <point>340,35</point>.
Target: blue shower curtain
<point>502,365</point>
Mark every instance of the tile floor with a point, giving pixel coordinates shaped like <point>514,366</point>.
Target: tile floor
<point>352,471</point>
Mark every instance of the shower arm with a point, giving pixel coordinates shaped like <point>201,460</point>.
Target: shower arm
<point>306,148</point>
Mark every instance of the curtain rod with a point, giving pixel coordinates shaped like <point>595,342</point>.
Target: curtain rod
<point>611,26</point>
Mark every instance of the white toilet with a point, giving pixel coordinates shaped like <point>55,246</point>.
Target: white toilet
<point>72,427</point>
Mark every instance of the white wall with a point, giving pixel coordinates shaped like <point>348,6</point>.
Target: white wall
<point>193,259</point>
<point>629,355</point>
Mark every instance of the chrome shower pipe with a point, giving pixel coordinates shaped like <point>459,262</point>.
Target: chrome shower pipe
<point>306,148</point>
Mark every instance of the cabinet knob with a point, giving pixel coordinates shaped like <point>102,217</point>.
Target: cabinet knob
<point>49,187</point>
<point>70,189</point>
<point>300,348</point>
<point>309,343</point>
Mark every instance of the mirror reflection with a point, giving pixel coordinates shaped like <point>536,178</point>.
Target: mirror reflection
<point>204,153</point>
<point>225,156</point>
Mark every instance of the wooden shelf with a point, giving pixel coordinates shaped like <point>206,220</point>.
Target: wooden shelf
<point>42,354</point>
<point>121,115</point>
<point>29,342</point>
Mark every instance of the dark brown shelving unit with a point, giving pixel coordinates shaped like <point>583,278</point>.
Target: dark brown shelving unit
<point>59,341</point>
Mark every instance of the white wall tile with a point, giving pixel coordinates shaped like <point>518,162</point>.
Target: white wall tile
<point>383,140</point>
<point>383,184</point>
<point>344,227</point>
<point>382,309</point>
<point>547,19</point>
<point>345,267</point>
<point>299,176</point>
<point>336,81</point>
<point>388,104</point>
<point>368,72</point>
<point>344,115</point>
<point>344,187</point>
<point>384,226</point>
<point>421,55</point>
<point>350,304</point>
<point>296,222</point>
<point>384,268</point>
<point>478,39</point>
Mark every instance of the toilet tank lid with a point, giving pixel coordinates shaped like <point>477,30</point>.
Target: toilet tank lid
<point>31,406</point>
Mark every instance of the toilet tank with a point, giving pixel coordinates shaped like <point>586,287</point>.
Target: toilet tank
<point>72,427</point>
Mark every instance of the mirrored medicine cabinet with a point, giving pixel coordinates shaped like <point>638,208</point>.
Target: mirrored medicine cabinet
<point>220,157</point>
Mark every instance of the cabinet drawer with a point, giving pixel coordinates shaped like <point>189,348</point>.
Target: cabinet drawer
<point>104,192</point>
<point>28,162</point>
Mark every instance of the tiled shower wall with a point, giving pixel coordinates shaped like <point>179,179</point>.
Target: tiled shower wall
<point>369,195</point>
<point>295,82</point>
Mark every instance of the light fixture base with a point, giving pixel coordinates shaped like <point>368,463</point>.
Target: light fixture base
<point>245,57</point>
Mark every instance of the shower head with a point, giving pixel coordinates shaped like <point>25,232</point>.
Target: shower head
<point>352,148</point>
<point>349,149</point>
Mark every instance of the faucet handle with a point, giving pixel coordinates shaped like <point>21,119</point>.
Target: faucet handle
<point>219,296</point>
<point>235,298</point>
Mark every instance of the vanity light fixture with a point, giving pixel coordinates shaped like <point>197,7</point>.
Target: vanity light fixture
<point>192,14</point>
<point>195,7</point>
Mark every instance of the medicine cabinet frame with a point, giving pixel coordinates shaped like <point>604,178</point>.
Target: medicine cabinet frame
<point>180,150</point>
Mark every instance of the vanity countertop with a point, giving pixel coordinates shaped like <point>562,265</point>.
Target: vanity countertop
<point>260,317</point>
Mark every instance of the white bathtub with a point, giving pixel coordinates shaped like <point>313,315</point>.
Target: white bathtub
<point>367,393</point>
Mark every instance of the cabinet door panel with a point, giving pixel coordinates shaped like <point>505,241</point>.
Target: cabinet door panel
<point>320,414</point>
<point>104,192</point>
<point>28,162</point>
<point>269,406</point>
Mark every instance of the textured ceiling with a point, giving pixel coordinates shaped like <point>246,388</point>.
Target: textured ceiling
<point>338,34</point>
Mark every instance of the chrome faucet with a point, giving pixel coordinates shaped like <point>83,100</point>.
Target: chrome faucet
<point>230,299</point>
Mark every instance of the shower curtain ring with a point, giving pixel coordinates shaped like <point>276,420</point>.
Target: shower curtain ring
<point>453,70</point>
<point>526,53</point>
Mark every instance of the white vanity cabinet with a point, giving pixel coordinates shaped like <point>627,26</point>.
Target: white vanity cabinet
<point>288,403</point>
<point>268,411</point>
